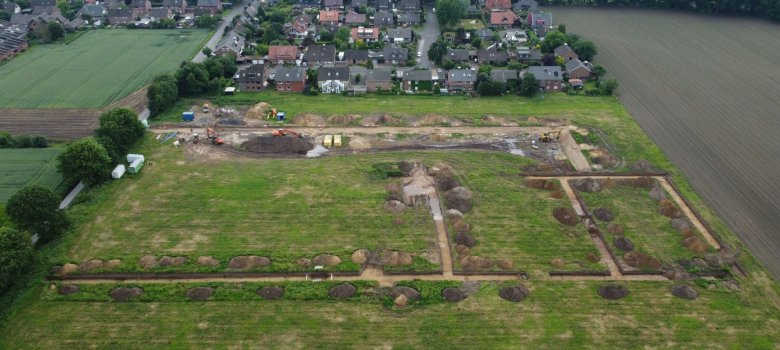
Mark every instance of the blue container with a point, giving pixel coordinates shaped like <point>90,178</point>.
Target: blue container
<point>188,116</point>
<point>280,116</point>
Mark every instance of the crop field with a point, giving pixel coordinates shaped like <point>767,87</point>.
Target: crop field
<point>31,166</point>
<point>94,70</point>
<point>555,315</point>
<point>708,98</point>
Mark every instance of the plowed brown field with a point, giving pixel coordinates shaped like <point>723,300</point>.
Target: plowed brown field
<point>706,90</point>
<point>58,124</point>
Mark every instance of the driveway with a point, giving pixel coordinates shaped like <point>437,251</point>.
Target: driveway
<point>428,36</point>
<point>226,19</point>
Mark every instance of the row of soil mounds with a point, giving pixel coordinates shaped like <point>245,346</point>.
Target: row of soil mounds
<point>278,145</point>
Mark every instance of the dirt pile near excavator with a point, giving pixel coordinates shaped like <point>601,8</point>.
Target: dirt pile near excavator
<point>278,145</point>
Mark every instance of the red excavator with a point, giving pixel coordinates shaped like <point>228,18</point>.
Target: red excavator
<point>214,137</point>
<point>285,132</point>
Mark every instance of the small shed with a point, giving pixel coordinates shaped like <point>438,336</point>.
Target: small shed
<point>336,140</point>
<point>132,157</point>
<point>230,90</point>
<point>576,84</point>
<point>118,171</point>
<point>136,166</point>
<point>188,116</point>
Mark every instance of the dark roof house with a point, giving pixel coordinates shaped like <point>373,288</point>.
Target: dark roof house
<point>503,75</point>
<point>566,52</point>
<point>457,55</point>
<point>383,19</point>
<point>320,54</point>
<point>493,54</point>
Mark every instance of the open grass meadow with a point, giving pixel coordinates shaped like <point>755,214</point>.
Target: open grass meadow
<point>30,166</point>
<point>556,315</point>
<point>99,67</point>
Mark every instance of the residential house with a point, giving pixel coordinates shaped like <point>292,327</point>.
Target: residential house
<point>177,6</point>
<point>290,79</point>
<point>357,4</point>
<point>96,11</point>
<point>40,7</point>
<point>461,80</point>
<point>498,5</point>
<point>417,80</point>
<point>20,19</point>
<point>209,6</point>
<point>528,55</point>
<point>12,40</point>
<point>399,35</point>
<point>113,4</point>
<point>320,55</point>
<point>395,55</point>
<point>365,34</point>
<point>333,80</point>
<point>354,19</point>
<point>230,43</point>
<point>378,79</point>
<point>566,52</point>
<point>409,18</point>
<point>457,55</point>
<point>356,56</point>
<point>140,8</point>
<point>381,5</point>
<point>159,13</point>
<point>76,23</point>
<point>252,78</point>
<point>503,19</point>
<point>577,69</point>
<point>11,8</point>
<point>408,5</point>
<point>518,36</point>
<point>484,33</point>
<point>493,54</point>
<point>119,16</point>
<point>282,54</point>
<point>549,78</point>
<point>38,23</point>
<point>357,80</point>
<point>383,19</point>
<point>525,5</point>
<point>504,75</point>
<point>539,19</point>
<point>329,17</point>
<point>333,4</point>
<point>300,27</point>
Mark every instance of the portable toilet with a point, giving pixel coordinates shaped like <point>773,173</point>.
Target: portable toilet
<point>136,166</point>
<point>327,141</point>
<point>132,157</point>
<point>280,116</point>
<point>336,140</point>
<point>188,116</point>
<point>118,171</point>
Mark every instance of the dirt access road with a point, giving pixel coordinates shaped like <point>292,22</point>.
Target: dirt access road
<point>709,99</point>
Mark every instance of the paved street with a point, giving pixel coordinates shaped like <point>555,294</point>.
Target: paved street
<point>226,19</point>
<point>428,36</point>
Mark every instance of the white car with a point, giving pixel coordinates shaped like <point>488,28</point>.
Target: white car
<point>419,54</point>
<point>434,10</point>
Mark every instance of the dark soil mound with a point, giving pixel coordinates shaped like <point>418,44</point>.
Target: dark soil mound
<point>613,291</point>
<point>624,244</point>
<point>473,262</point>
<point>684,291</point>
<point>68,289</point>
<point>394,206</point>
<point>303,262</point>
<point>166,261</point>
<point>447,183</point>
<point>199,293</point>
<point>641,261</point>
<point>592,257</point>
<point>566,216</point>
<point>556,194</point>
<point>270,292</point>
<point>459,198</point>
<point>615,229</point>
<point>90,265</point>
<point>639,182</point>
<point>680,224</point>
<point>405,167</point>
<point>586,185</point>
<point>514,294</point>
<point>462,249</point>
<point>694,244</point>
<point>248,262</point>
<point>125,294</point>
<point>326,260</point>
<point>147,261</point>
<point>278,145</point>
<point>657,193</point>
<point>345,290</point>
<point>543,184</point>
<point>669,209</point>
<point>641,166</point>
<point>453,294</point>
<point>462,226</point>
<point>714,260</point>
<point>505,264</point>
<point>603,214</point>
<point>409,293</point>
<point>465,239</point>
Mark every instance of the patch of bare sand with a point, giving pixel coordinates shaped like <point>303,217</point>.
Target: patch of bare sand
<point>191,244</point>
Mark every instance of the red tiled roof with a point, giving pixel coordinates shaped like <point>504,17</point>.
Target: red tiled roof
<point>498,4</point>
<point>503,18</point>
<point>329,16</point>
<point>287,52</point>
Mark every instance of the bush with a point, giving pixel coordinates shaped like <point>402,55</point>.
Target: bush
<point>16,254</point>
<point>35,209</point>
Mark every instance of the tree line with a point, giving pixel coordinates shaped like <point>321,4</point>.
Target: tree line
<point>758,8</point>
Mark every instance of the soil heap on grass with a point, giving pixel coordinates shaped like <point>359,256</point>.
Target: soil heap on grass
<point>166,261</point>
<point>278,145</point>
<point>408,292</point>
<point>326,260</point>
<point>90,265</point>
<point>345,290</point>
<point>199,293</point>
<point>624,243</point>
<point>465,239</point>
<point>453,294</point>
<point>603,214</point>
<point>615,229</point>
<point>259,111</point>
<point>505,264</point>
<point>207,261</point>
<point>459,198</point>
<point>566,216</point>
<point>694,244</point>
<point>641,261</point>
<point>248,262</point>
<point>684,291</point>
<point>668,209</point>
<point>270,292</point>
<point>586,185</point>
<point>147,261</point>
<point>657,193</point>
<point>396,258</point>
<point>125,294</point>
<point>514,294</point>
<point>68,289</point>
<point>613,291</point>
<point>360,256</point>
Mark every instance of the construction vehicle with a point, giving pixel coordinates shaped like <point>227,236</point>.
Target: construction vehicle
<point>548,136</point>
<point>205,108</point>
<point>271,114</point>
<point>213,136</point>
<point>285,132</point>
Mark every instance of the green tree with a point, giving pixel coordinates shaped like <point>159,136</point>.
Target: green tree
<point>449,12</point>
<point>85,160</point>
<point>326,35</point>
<point>528,87</point>
<point>16,254</point>
<point>207,21</point>
<point>585,49</point>
<point>491,88</point>
<point>162,94</point>
<point>437,51</point>
<point>599,71</point>
<point>122,127</point>
<point>56,31</point>
<point>36,209</point>
<point>343,34</point>
<point>206,51</point>
<point>608,87</point>
<point>562,28</point>
<point>552,40</point>
<point>5,16</point>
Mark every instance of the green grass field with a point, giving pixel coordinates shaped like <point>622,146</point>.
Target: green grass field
<point>31,166</point>
<point>94,70</point>
<point>556,315</point>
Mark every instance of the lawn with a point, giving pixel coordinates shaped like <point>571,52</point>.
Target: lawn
<point>31,166</point>
<point>471,24</point>
<point>555,315</point>
<point>651,232</point>
<point>99,67</point>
